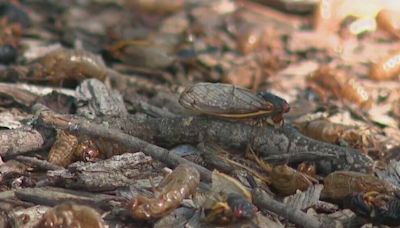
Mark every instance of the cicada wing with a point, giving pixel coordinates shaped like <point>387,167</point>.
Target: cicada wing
<point>223,99</point>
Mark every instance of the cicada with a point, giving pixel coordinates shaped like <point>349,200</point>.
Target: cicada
<point>376,207</point>
<point>228,201</point>
<point>224,209</point>
<point>232,102</point>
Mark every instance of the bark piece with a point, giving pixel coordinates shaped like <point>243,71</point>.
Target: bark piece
<point>306,199</point>
<point>95,99</point>
<point>118,171</point>
<point>27,217</point>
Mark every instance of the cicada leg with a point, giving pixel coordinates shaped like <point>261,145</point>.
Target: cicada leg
<point>370,196</point>
<point>253,156</point>
<point>140,208</point>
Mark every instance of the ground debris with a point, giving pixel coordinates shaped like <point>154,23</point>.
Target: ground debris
<point>188,113</point>
<point>118,171</point>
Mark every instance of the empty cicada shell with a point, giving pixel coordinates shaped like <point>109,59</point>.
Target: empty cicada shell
<point>287,180</point>
<point>172,190</point>
<point>62,151</point>
<point>324,130</point>
<point>69,148</point>
<point>143,53</point>
<point>329,14</point>
<point>389,21</point>
<point>71,215</point>
<point>340,184</point>
<point>249,38</point>
<point>352,26</point>
<point>376,207</point>
<point>232,102</point>
<point>67,65</point>
<point>386,68</point>
<point>252,37</point>
<point>10,32</point>
<point>340,85</point>
<point>308,168</point>
<point>158,7</point>
<point>248,74</point>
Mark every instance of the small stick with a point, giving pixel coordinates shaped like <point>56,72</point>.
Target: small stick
<point>51,196</point>
<point>42,164</point>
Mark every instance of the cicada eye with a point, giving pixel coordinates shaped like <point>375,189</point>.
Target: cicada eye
<point>285,107</point>
<point>278,102</point>
<point>238,213</point>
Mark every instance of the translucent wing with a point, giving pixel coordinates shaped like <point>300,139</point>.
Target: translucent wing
<point>224,100</point>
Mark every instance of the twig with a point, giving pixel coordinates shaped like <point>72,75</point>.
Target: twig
<point>42,164</point>
<point>263,201</point>
<point>51,196</point>
<point>37,90</point>
<point>292,158</point>
<point>95,130</point>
